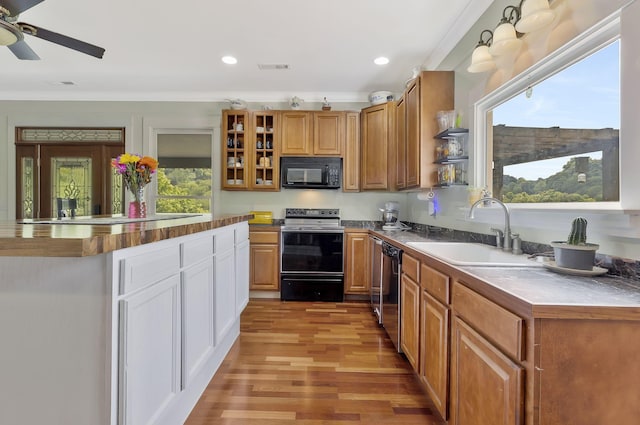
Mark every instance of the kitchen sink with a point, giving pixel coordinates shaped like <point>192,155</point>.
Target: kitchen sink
<point>472,254</point>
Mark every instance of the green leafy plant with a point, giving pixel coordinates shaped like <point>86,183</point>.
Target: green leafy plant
<point>578,235</point>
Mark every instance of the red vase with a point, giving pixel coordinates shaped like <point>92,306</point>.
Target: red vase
<point>137,209</point>
<point>137,206</point>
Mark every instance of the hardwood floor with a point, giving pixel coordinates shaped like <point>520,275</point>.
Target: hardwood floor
<point>312,363</point>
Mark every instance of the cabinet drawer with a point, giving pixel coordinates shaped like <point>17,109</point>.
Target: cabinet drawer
<point>410,267</point>
<point>145,269</point>
<point>196,250</point>
<point>435,283</point>
<point>224,241</point>
<point>501,326</point>
<point>264,237</point>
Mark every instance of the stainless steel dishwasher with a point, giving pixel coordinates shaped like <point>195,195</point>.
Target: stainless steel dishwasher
<point>390,292</point>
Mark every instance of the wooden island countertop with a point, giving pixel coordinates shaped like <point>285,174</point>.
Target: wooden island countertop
<point>88,236</point>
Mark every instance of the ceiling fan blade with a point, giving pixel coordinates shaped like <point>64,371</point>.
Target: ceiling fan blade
<point>22,51</point>
<point>16,7</point>
<point>62,40</point>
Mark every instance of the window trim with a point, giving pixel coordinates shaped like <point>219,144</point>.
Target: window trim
<point>602,34</point>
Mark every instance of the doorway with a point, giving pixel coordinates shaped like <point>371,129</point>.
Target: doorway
<point>69,163</point>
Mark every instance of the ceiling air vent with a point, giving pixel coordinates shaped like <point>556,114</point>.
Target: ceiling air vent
<point>273,66</point>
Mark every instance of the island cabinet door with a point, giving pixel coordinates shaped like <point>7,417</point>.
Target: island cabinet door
<point>150,352</point>
<point>242,268</point>
<point>225,288</point>
<point>198,334</point>
<point>486,386</point>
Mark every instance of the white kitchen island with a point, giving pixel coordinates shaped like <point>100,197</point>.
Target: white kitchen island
<point>122,324</point>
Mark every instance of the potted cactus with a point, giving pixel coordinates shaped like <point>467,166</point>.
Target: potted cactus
<point>575,253</point>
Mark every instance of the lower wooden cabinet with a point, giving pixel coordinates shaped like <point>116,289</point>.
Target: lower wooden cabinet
<point>434,350</point>
<point>486,386</point>
<point>410,319</point>
<point>485,357</point>
<point>410,310</point>
<point>264,260</point>
<point>357,267</point>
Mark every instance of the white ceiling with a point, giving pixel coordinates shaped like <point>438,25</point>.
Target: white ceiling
<point>160,50</point>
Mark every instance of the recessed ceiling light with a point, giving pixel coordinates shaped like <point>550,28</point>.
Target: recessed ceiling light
<point>229,60</point>
<point>381,60</point>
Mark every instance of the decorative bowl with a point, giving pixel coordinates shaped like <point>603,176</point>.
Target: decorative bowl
<point>379,97</point>
<point>237,104</point>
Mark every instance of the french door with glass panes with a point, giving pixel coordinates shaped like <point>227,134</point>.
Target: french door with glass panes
<point>81,171</point>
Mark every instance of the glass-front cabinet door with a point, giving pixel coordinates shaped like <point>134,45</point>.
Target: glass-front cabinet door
<point>265,164</point>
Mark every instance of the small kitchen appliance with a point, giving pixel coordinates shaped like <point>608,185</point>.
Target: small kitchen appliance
<point>310,172</point>
<point>390,216</point>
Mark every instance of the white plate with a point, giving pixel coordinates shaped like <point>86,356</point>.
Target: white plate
<point>551,265</point>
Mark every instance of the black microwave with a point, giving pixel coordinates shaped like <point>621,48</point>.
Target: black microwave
<point>301,172</point>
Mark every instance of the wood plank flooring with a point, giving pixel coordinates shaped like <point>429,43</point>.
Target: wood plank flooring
<point>312,363</point>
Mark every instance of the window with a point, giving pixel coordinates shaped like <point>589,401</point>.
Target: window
<point>184,173</point>
<point>559,140</point>
<point>551,134</point>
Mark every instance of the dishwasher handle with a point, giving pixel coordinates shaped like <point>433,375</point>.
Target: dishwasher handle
<point>392,251</point>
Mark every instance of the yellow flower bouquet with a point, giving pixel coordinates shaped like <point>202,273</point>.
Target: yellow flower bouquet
<point>135,170</point>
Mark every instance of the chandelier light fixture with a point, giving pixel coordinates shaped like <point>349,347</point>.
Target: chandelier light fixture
<point>528,16</point>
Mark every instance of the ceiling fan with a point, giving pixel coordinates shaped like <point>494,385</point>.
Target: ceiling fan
<point>11,32</point>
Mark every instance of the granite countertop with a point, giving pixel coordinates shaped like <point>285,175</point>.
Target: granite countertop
<point>545,291</point>
<point>98,235</point>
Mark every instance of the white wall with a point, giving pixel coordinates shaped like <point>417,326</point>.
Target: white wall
<point>618,233</point>
<point>142,120</point>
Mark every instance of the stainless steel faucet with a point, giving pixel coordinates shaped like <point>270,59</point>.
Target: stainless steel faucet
<point>506,233</point>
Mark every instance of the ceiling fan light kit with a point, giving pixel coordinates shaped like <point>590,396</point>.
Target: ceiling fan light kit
<point>7,34</point>
<point>11,33</point>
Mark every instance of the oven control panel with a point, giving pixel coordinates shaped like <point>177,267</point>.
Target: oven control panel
<point>312,213</point>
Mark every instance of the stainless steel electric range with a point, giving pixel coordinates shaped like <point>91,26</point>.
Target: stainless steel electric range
<point>312,255</point>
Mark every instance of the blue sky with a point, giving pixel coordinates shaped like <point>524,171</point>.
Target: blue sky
<point>585,95</point>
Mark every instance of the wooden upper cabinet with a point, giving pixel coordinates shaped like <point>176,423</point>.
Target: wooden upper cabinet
<point>401,143</point>
<point>236,135</point>
<point>412,152</point>
<point>261,159</point>
<point>430,92</point>
<point>328,133</point>
<point>313,133</point>
<point>378,147</point>
<point>351,162</point>
<point>296,133</point>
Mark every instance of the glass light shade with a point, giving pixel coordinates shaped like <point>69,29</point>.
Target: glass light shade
<point>481,60</point>
<point>229,60</point>
<point>504,40</point>
<point>535,14</point>
<point>7,37</point>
